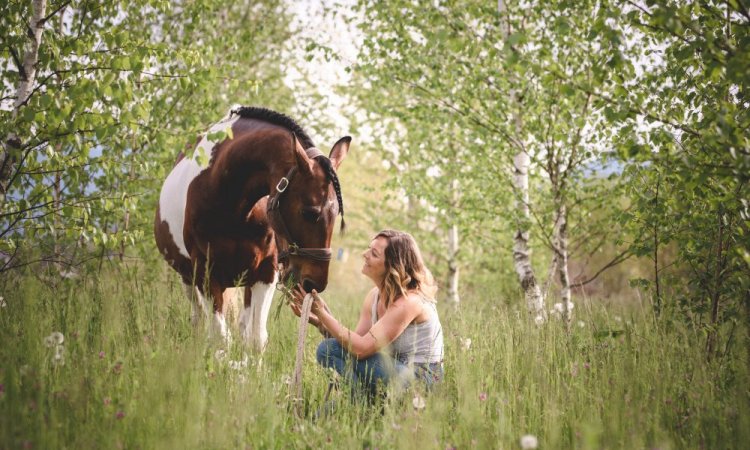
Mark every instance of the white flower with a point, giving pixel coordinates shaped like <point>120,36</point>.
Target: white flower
<point>56,338</point>
<point>3,304</point>
<point>618,319</point>
<point>238,365</point>
<point>529,441</point>
<point>68,274</point>
<point>539,320</point>
<point>418,402</point>
<point>581,324</point>
<point>466,344</point>
<point>220,355</point>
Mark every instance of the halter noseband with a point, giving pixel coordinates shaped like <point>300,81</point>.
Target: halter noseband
<point>274,213</point>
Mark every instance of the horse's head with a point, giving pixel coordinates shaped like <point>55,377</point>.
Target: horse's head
<point>303,212</point>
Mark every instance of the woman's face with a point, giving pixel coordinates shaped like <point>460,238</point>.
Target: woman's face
<point>374,264</point>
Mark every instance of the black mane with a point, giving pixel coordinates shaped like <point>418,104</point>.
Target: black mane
<point>276,118</point>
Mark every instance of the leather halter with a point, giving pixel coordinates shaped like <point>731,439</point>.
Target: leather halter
<point>277,220</point>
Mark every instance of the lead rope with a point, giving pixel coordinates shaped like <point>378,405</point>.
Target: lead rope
<point>296,387</point>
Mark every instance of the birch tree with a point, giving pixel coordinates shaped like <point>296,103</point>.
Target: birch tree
<point>489,68</point>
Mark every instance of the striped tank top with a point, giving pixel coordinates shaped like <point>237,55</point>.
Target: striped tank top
<point>420,343</point>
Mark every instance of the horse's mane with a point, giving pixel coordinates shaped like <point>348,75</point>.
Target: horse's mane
<point>276,118</point>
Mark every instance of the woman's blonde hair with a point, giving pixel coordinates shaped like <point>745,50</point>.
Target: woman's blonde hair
<point>404,268</point>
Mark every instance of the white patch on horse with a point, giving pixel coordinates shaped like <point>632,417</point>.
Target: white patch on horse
<point>173,197</point>
<point>253,318</point>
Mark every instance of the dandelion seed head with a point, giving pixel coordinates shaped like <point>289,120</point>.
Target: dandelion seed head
<point>529,442</point>
<point>539,320</point>
<point>418,402</point>
<point>220,355</point>
<point>466,344</point>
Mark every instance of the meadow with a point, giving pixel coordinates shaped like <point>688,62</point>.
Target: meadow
<point>128,370</point>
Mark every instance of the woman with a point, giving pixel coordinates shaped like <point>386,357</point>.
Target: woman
<point>398,315</point>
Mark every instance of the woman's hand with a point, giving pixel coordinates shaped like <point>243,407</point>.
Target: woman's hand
<point>298,296</point>
<point>318,305</point>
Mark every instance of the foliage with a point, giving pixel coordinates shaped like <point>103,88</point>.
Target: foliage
<point>683,121</point>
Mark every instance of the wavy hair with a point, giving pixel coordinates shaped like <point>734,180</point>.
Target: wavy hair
<point>404,268</point>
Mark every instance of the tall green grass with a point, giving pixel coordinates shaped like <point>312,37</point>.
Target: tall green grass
<point>136,374</point>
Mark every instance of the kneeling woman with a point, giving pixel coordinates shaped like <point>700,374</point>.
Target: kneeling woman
<point>398,316</point>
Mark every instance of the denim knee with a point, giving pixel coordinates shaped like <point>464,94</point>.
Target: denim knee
<point>327,350</point>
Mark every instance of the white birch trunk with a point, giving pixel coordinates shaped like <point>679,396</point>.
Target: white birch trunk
<point>27,75</point>
<point>521,250</point>
<point>561,241</point>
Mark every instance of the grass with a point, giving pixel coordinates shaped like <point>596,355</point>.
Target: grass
<point>136,374</point>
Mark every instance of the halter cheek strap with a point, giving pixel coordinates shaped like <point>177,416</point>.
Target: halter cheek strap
<point>277,220</point>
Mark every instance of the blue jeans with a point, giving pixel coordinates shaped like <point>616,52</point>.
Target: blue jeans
<point>377,369</point>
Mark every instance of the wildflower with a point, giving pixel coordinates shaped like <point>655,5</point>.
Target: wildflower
<point>574,370</point>
<point>286,379</point>
<point>68,274</point>
<point>238,365</point>
<point>220,355</point>
<point>418,402</point>
<point>581,324</point>
<point>586,365</point>
<point>466,344</point>
<point>3,304</point>
<point>117,368</point>
<point>107,401</point>
<point>120,415</point>
<point>56,338</point>
<point>529,442</point>
<point>101,354</point>
<point>539,320</point>
<point>482,396</point>
<point>618,319</point>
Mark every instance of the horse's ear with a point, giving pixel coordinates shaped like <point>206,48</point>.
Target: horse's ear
<point>339,151</point>
<point>304,164</point>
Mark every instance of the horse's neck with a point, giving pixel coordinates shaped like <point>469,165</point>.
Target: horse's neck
<point>246,172</point>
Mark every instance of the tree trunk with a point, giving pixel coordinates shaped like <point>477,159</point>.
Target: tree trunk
<point>521,251</point>
<point>27,78</point>
<point>562,263</point>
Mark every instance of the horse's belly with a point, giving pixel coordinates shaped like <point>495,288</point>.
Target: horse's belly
<point>173,199</point>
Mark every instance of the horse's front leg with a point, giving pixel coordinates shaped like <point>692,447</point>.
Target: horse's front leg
<point>219,322</point>
<point>254,317</point>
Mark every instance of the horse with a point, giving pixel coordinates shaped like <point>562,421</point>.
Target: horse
<point>255,203</point>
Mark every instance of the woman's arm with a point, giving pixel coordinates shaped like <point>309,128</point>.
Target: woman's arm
<point>365,315</point>
<point>395,320</point>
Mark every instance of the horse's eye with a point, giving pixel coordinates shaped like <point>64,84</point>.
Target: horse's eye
<point>311,215</point>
